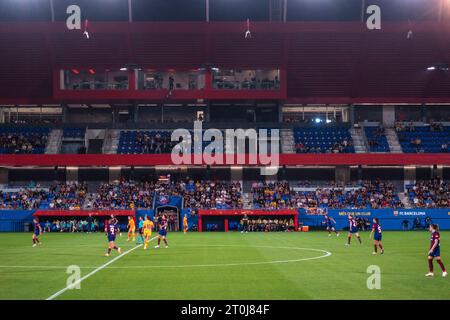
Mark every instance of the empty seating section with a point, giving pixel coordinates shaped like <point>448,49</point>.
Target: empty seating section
<point>74,133</point>
<point>376,139</point>
<point>425,139</point>
<point>23,140</point>
<point>323,140</point>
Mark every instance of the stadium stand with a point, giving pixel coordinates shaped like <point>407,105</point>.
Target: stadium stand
<point>369,194</point>
<point>272,195</point>
<point>323,140</point>
<point>207,194</point>
<point>23,140</point>
<point>122,195</point>
<point>137,142</point>
<point>376,139</point>
<point>429,194</point>
<point>433,138</point>
<point>74,133</point>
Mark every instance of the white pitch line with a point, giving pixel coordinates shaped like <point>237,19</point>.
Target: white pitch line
<point>326,254</point>
<point>55,295</point>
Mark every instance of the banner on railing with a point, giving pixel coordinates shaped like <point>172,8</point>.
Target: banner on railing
<point>15,220</point>
<point>390,219</point>
<point>83,213</point>
<point>249,212</point>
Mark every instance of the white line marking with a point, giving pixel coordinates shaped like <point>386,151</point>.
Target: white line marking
<point>324,255</point>
<point>55,295</point>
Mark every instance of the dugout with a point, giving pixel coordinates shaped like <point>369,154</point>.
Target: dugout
<point>100,215</point>
<point>221,219</point>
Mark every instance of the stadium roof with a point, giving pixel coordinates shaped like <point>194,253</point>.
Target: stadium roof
<point>222,10</point>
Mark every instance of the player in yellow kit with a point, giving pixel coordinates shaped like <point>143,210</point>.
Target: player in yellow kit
<point>131,228</point>
<point>185,224</point>
<point>148,227</point>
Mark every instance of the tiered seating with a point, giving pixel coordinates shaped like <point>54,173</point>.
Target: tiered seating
<point>323,140</point>
<point>370,194</point>
<point>207,194</point>
<point>74,133</point>
<point>376,139</point>
<point>151,141</point>
<point>137,142</point>
<point>424,139</point>
<point>429,194</point>
<point>23,140</point>
<point>273,195</point>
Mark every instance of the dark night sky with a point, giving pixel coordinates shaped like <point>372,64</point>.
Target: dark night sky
<point>220,10</point>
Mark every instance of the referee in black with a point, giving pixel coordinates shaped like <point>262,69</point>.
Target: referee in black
<point>244,222</point>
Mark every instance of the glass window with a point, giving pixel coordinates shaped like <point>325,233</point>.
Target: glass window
<point>171,79</point>
<point>91,79</point>
<point>169,10</point>
<point>246,79</point>
<point>398,10</point>
<point>239,10</point>
<point>25,10</point>
<point>93,10</point>
<point>313,10</point>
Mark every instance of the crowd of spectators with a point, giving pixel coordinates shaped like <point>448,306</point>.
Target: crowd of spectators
<point>22,144</point>
<point>370,194</point>
<point>202,194</point>
<point>154,143</point>
<point>410,127</point>
<point>429,194</point>
<point>404,127</point>
<point>24,199</point>
<point>122,195</point>
<point>207,194</point>
<point>343,146</point>
<point>67,196</point>
<point>272,195</point>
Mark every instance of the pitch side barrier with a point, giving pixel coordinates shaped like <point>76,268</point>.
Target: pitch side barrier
<point>16,220</point>
<point>101,216</point>
<point>390,219</point>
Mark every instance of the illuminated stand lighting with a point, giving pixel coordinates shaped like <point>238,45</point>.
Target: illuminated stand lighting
<point>438,67</point>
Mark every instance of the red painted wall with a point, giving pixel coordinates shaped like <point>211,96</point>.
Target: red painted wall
<point>325,62</point>
<point>164,159</point>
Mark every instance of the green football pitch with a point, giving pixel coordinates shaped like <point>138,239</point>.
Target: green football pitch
<point>221,266</point>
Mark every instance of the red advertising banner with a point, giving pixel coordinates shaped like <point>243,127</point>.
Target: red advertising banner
<point>148,160</point>
<point>249,212</point>
<point>83,213</point>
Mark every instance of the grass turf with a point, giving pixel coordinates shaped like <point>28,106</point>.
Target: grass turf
<point>223,266</point>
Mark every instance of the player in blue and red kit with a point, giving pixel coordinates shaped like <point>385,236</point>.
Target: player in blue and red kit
<point>376,232</point>
<point>353,229</point>
<point>435,251</point>
<point>330,223</point>
<point>37,232</point>
<point>162,233</point>
<point>111,230</point>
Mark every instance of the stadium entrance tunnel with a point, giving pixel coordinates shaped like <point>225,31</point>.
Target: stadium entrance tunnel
<point>172,214</point>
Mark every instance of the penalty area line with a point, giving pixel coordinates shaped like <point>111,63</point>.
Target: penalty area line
<point>103,266</point>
